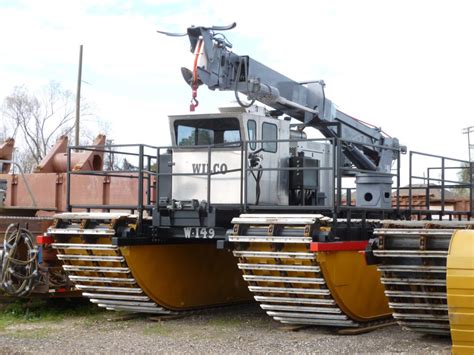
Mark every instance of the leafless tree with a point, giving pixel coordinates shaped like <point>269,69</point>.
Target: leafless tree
<point>3,132</point>
<point>37,119</point>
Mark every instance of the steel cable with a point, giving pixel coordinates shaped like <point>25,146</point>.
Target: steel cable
<point>19,272</point>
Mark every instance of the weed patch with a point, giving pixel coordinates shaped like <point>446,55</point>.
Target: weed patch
<point>52,310</point>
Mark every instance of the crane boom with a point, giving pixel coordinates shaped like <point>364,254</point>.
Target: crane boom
<point>366,147</point>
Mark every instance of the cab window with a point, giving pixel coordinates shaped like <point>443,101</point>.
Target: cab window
<point>269,132</point>
<point>252,133</point>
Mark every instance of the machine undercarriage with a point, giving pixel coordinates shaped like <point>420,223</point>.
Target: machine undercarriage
<point>160,279</point>
<point>299,281</point>
<point>428,273</point>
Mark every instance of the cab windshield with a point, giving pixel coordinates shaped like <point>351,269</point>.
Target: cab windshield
<point>210,131</point>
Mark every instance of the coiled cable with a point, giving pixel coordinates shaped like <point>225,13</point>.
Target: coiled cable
<point>19,273</point>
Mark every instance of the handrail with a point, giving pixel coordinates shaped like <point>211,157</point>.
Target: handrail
<point>445,184</point>
<point>149,155</point>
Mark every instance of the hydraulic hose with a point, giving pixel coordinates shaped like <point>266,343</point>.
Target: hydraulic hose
<point>19,273</point>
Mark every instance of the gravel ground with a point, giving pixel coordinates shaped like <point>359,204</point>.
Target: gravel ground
<point>236,329</point>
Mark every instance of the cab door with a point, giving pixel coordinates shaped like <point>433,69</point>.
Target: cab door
<point>267,187</point>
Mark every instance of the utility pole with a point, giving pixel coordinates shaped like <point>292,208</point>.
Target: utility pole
<point>78,97</point>
<point>470,142</point>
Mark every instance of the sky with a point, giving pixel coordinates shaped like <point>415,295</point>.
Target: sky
<point>406,66</point>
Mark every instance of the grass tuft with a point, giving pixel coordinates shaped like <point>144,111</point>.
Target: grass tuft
<point>51,310</point>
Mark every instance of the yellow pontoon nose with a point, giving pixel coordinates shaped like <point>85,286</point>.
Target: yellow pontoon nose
<point>143,278</point>
<point>460,291</point>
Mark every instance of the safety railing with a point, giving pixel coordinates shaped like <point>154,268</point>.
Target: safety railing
<point>143,165</point>
<point>139,168</point>
<point>445,190</point>
<point>336,169</point>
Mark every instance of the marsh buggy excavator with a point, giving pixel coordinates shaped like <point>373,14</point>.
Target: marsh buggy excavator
<point>249,180</point>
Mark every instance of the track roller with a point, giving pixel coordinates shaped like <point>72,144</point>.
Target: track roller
<point>298,286</point>
<point>159,279</point>
<point>427,270</point>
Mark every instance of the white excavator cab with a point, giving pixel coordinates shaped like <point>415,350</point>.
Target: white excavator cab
<point>210,153</point>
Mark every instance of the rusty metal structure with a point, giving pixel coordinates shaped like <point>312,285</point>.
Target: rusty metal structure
<point>48,182</point>
<point>29,265</point>
<point>6,153</point>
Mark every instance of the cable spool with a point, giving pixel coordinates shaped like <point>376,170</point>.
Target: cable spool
<point>19,272</point>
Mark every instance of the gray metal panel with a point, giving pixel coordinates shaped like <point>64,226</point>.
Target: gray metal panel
<point>324,153</point>
<point>287,88</point>
<point>164,182</point>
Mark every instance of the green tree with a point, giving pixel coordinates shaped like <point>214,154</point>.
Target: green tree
<point>464,177</point>
<point>205,137</point>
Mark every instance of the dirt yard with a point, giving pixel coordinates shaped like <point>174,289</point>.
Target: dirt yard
<point>83,328</point>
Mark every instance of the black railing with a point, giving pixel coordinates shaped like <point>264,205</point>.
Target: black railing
<point>148,172</point>
<point>458,190</point>
<point>144,154</point>
<point>338,171</point>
